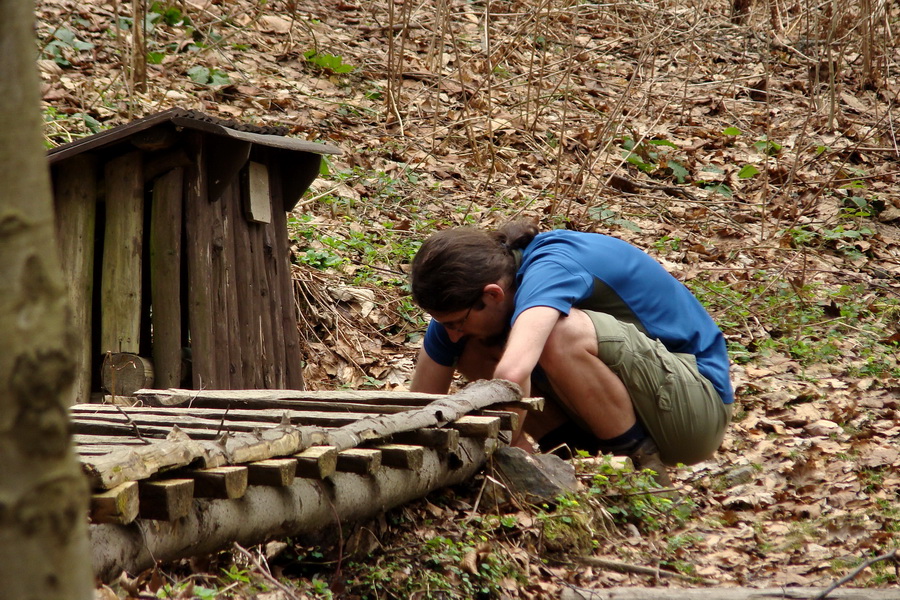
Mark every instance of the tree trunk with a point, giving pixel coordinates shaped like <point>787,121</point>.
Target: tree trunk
<point>44,549</point>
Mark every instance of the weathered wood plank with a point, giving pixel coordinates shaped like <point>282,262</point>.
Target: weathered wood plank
<point>166,500</point>
<point>278,472</point>
<point>262,315</point>
<point>250,336</point>
<point>401,456</point>
<point>264,413</point>
<point>121,281</point>
<point>118,505</point>
<point>199,266</point>
<point>362,461</point>
<point>219,482</point>
<point>284,398</point>
<point>273,271</point>
<point>472,426</point>
<point>317,462</point>
<point>257,199</point>
<point>446,440</point>
<point>293,369</point>
<point>219,280</point>
<point>165,276</point>
<point>76,214</point>
<point>231,316</point>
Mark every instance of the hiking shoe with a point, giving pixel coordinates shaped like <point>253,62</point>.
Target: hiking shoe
<point>646,456</point>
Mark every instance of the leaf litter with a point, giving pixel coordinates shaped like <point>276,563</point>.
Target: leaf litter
<point>755,156</point>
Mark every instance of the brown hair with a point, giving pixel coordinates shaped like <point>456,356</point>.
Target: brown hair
<point>452,267</point>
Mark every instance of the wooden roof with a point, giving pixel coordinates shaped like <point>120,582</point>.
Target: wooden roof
<point>196,121</point>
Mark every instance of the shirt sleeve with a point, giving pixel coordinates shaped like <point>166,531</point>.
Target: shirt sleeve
<point>551,283</point>
<point>439,347</point>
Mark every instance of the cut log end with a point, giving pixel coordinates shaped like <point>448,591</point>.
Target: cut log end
<point>124,373</point>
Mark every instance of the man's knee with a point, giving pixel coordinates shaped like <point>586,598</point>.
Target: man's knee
<point>572,334</point>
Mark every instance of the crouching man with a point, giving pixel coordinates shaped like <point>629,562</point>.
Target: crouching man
<point>629,361</point>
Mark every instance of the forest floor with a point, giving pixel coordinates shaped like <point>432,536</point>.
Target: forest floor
<point>753,154</point>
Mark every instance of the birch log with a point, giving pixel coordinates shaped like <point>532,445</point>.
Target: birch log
<point>305,507</point>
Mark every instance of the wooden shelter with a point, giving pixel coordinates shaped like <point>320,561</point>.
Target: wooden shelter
<point>173,239</point>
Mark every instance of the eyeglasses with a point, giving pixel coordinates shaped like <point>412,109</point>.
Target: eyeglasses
<point>458,324</point>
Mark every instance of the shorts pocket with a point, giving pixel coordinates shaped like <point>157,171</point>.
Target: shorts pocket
<point>611,349</point>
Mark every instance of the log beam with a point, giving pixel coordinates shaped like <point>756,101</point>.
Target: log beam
<point>266,512</point>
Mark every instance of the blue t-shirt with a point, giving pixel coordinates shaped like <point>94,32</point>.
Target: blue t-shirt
<point>564,269</point>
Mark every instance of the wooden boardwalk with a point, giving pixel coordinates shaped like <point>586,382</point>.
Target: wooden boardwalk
<point>246,463</point>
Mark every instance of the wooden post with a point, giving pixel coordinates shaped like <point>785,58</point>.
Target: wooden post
<point>293,359</point>
<point>165,277</point>
<point>276,303</point>
<point>245,288</point>
<point>219,293</point>
<point>199,249</point>
<point>120,295</point>
<point>232,315</point>
<point>76,215</point>
<point>262,316</point>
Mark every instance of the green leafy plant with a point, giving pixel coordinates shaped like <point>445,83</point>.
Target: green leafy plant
<point>654,158</point>
<point>64,45</point>
<point>208,75</point>
<point>328,62</point>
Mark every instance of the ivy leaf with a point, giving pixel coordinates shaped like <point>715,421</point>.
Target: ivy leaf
<point>199,74</point>
<point>748,171</point>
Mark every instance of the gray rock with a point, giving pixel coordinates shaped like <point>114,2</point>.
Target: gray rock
<point>536,477</point>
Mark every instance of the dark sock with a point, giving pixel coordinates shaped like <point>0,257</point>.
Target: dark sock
<point>625,443</point>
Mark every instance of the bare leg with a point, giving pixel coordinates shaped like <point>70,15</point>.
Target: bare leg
<point>582,381</point>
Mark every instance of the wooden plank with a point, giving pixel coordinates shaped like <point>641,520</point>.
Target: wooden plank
<point>257,198</point>
<point>283,398</point>
<point>293,357</point>
<point>231,316</point>
<point>274,269</point>
<point>250,336</point>
<point>362,461</point>
<point>219,293</point>
<point>277,472</point>
<point>438,439</point>
<point>165,277</point>
<point>317,462</point>
<point>472,426</point>
<point>121,280</point>
<point>261,308</point>
<point>76,214</point>
<point>225,483</point>
<point>119,505</point>
<point>166,500</point>
<point>265,415</point>
<point>402,456</point>
<point>199,234</point>
<point>509,421</point>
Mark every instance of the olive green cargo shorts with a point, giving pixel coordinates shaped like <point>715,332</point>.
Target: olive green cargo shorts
<point>678,406</point>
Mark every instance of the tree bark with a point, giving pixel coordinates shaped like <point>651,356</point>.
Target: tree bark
<point>44,550</point>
